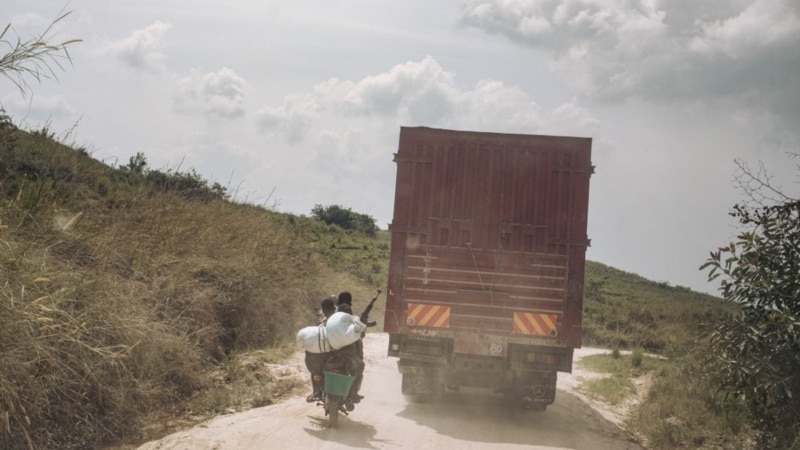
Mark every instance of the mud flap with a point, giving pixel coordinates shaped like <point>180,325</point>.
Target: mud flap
<point>422,386</point>
<point>421,380</point>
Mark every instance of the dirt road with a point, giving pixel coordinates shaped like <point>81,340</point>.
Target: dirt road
<point>385,419</point>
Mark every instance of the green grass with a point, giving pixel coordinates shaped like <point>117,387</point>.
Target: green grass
<point>612,389</point>
<point>617,385</point>
<point>685,409</point>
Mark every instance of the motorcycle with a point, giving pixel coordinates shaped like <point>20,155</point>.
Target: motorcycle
<point>339,373</point>
<point>338,377</point>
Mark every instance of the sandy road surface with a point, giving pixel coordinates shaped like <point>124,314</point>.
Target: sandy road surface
<point>385,419</point>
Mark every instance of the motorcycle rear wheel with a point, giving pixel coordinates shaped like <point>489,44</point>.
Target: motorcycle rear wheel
<point>333,411</point>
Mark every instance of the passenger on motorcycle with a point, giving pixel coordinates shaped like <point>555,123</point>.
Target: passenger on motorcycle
<point>355,350</point>
<point>315,342</point>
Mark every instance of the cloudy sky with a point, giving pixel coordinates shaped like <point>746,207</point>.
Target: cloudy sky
<point>292,104</point>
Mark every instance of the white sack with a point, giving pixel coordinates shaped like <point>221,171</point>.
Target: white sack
<point>343,329</point>
<point>313,340</point>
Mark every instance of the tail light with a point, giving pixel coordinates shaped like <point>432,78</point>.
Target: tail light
<point>549,359</point>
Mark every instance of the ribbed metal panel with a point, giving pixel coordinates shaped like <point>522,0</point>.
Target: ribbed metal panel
<point>489,224</point>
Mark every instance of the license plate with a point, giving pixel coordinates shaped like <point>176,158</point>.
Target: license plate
<point>482,348</point>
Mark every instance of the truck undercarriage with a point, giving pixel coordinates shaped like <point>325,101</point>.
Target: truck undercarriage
<point>525,374</point>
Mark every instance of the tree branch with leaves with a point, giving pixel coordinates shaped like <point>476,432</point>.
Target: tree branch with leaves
<point>758,351</point>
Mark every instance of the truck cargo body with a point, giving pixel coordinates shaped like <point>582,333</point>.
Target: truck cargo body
<point>488,243</point>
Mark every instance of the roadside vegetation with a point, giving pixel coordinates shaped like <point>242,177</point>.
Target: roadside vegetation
<point>757,353</point>
<point>133,296</point>
<point>619,370</point>
<point>662,332</point>
<point>732,375</point>
<point>124,291</point>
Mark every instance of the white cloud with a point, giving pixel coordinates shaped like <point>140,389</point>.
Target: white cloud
<point>292,119</point>
<point>762,25</point>
<point>144,49</point>
<point>414,91</point>
<point>421,92</point>
<point>345,151</point>
<point>535,26</point>
<point>573,119</point>
<point>744,53</point>
<point>218,94</point>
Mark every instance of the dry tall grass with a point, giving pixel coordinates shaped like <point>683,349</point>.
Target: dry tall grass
<point>115,298</point>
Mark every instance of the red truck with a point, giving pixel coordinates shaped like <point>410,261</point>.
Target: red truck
<point>486,271</point>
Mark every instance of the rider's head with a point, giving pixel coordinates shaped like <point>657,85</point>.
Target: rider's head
<point>345,308</point>
<point>345,297</point>
<point>328,306</point>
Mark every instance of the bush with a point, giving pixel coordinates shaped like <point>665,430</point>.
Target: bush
<point>345,219</point>
<point>636,357</point>
<point>758,352</point>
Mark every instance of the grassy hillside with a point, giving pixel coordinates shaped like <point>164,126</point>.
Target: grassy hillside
<point>122,288</point>
<point>625,311</point>
<point>128,292</point>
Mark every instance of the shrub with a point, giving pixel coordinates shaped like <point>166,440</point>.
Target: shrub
<point>345,218</point>
<point>758,351</point>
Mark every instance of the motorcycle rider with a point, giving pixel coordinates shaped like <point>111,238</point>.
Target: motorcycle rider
<point>315,362</point>
<point>344,303</point>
